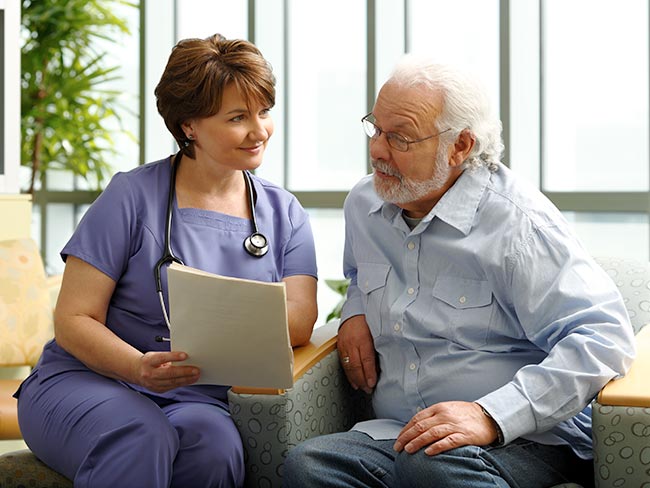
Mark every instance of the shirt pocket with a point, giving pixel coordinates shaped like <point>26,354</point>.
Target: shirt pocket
<point>467,305</point>
<point>371,281</point>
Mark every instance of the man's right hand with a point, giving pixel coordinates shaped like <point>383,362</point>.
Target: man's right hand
<point>357,353</point>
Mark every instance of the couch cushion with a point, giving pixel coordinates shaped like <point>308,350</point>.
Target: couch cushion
<point>25,307</point>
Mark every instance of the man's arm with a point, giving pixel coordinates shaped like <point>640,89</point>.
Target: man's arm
<point>569,307</point>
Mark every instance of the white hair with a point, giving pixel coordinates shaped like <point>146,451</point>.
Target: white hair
<point>466,106</point>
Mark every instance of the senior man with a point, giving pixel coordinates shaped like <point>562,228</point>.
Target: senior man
<point>475,317</point>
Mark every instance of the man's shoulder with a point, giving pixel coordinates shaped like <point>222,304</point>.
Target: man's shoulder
<point>510,195</point>
<point>363,192</point>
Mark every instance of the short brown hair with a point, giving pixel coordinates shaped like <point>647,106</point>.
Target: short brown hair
<point>198,71</point>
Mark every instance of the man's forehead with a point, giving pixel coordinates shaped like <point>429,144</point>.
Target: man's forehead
<point>407,105</point>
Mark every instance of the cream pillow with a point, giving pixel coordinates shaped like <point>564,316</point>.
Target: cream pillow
<point>25,307</point>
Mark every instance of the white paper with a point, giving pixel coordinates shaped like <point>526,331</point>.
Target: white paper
<point>234,330</point>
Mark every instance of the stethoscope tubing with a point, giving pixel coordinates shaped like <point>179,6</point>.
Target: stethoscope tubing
<point>256,244</point>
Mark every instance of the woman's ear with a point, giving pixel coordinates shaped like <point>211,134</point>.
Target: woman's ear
<point>462,147</point>
<point>188,129</point>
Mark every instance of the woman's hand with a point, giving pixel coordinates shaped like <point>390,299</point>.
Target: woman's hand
<point>156,371</point>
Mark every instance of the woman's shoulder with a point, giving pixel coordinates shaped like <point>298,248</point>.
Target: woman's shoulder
<point>147,179</point>
<point>273,192</point>
<point>155,170</point>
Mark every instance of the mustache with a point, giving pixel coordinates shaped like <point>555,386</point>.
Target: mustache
<point>384,167</point>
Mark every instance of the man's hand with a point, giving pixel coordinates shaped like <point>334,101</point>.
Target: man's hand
<point>445,426</point>
<point>357,353</point>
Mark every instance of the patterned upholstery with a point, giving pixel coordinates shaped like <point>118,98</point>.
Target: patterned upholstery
<point>321,402</point>
<point>25,308</point>
<point>622,434</point>
<point>25,325</point>
<point>633,280</point>
<point>21,469</point>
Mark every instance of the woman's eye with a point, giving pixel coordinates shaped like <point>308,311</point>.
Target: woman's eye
<point>265,112</point>
<point>239,118</point>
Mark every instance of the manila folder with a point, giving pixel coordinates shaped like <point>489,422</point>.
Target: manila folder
<point>234,330</point>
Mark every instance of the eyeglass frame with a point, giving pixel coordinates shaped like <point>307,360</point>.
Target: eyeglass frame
<point>391,137</point>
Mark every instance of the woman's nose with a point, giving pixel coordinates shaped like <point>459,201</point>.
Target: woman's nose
<point>261,128</point>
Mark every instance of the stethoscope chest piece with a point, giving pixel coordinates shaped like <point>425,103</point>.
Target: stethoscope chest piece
<point>256,244</point>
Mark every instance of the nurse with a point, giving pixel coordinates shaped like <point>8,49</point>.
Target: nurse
<point>106,406</point>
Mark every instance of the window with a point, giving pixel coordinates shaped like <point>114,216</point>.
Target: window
<point>569,79</point>
<point>595,98</point>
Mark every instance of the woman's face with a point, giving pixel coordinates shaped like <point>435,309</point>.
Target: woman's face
<point>236,136</point>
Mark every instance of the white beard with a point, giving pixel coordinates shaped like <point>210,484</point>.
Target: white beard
<point>407,190</point>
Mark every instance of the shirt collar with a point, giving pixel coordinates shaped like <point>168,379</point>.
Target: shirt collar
<point>458,205</point>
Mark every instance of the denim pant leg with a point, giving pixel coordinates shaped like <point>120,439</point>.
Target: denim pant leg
<point>353,459</point>
<point>347,459</point>
<point>520,464</point>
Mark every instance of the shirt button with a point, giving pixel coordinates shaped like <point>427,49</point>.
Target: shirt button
<point>462,299</point>
<point>418,409</point>
<point>412,366</point>
<point>396,327</point>
<point>366,285</point>
<point>411,246</point>
<point>410,291</point>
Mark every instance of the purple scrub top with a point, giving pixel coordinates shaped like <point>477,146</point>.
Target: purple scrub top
<point>122,235</point>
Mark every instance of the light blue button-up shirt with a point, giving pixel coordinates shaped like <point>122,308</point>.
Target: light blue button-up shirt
<point>490,298</point>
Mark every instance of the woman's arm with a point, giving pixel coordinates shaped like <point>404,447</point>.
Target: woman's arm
<point>302,310</point>
<point>79,325</point>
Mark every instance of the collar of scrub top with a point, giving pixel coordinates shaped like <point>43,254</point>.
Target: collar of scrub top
<point>255,244</point>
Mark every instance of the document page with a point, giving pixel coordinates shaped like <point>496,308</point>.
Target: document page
<point>235,330</point>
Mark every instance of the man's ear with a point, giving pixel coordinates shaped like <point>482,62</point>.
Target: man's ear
<point>461,148</point>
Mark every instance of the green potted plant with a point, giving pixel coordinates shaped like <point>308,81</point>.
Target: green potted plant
<point>340,287</point>
<point>66,109</point>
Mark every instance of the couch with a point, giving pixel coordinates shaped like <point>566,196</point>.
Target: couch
<point>271,421</point>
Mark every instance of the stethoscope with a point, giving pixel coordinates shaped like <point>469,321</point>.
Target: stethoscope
<point>256,244</point>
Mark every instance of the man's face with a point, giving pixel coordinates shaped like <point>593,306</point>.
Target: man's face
<point>417,178</point>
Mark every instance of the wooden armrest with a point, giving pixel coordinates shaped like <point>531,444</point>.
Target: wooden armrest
<point>632,389</point>
<point>322,342</point>
<point>9,410</point>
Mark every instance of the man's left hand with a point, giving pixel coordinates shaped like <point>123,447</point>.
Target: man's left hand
<point>445,426</point>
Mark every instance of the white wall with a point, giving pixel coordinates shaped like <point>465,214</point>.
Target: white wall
<point>11,108</point>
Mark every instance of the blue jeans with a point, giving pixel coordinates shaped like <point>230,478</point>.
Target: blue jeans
<point>353,459</point>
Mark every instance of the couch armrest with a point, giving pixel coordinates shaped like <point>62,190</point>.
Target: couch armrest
<point>321,401</point>
<point>631,390</point>
<point>322,342</point>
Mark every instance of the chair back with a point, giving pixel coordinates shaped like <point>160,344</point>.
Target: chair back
<point>632,277</point>
<point>25,304</point>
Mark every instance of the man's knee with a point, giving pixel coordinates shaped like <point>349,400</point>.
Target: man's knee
<point>457,468</point>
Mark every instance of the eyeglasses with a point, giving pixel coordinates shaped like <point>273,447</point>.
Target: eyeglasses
<point>395,140</point>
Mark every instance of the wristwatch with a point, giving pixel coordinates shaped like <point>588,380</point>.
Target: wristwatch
<point>499,441</point>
